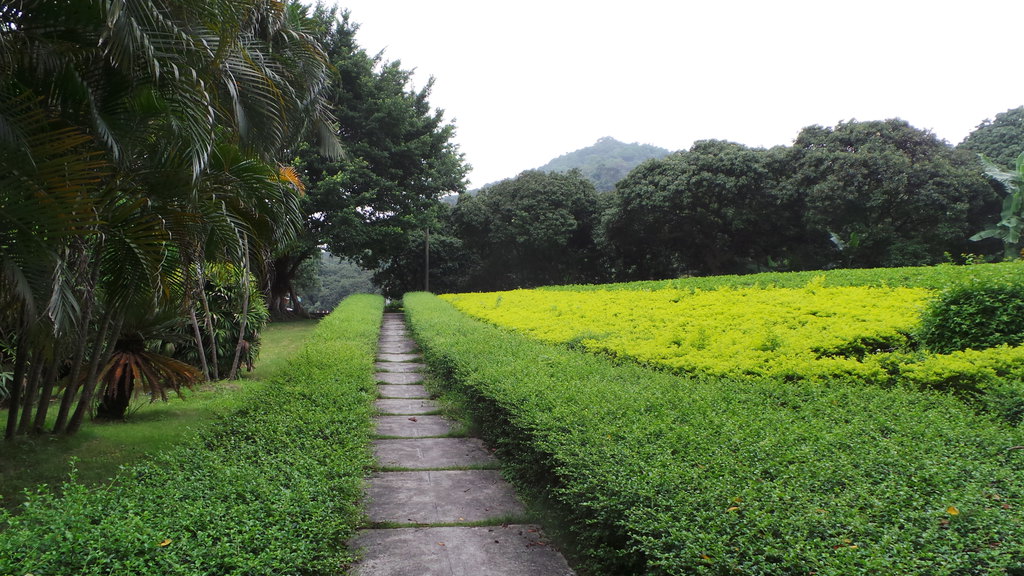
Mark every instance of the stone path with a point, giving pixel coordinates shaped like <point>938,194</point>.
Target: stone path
<point>438,506</point>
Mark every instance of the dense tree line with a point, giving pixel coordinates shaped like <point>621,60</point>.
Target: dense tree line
<point>165,167</point>
<point>859,194</point>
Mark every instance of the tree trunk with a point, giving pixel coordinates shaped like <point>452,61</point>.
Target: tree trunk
<point>14,398</point>
<point>99,356</point>
<point>115,401</point>
<point>284,268</point>
<point>245,314</point>
<point>31,390</point>
<point>73,385</point>
<point>198,335</point>
<point>208,320</point>
<point>67,400</point>
<point>49,383</point>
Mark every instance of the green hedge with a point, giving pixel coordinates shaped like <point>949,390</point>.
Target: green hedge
<point>272,488</point>
<point>933,277</point>
<point>978,314</point>
<point>657,474</point>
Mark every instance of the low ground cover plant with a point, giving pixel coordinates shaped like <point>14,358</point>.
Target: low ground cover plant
<point>814,331</point>
<point>657,473</point>
<point>896,328</point>
<point>272,488</point>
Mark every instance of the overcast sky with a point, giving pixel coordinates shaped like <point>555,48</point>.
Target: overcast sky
<point>530,80</point>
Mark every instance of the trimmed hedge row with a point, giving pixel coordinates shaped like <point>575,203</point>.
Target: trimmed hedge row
<point>659,474</point>
<point>933,277</point>
<point>272,488</point>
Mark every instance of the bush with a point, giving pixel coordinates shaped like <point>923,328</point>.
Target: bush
<point>658,474</point>
<point>273,488</point>
<point>978,314</point>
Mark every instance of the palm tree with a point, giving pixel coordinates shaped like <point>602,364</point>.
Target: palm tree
<point>111,117</point>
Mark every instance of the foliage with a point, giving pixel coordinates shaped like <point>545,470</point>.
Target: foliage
<point>605,162</point>
<point>271,489</point>
<point>224,299</point>
<point>812,332</point>
<point>535,229</point>
<point>714,209</point>
<point>658,474</point>
<point>853,326</point>
<point>1001,139</point>
<point>975,315</point>
<point>325,281</point>
<point>1010,227</point>
<point>399,158</point>
<point>453,263</point>
<point>887,193</point>
<point>133,151</point>
<point>930,277</point>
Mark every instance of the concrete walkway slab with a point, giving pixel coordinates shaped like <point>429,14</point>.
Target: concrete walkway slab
<point>427,491</point>
<point>513,550</point>
<point>432,453</point>
<point>405,406</point>
<point>397,347</point>
<point>440,496</point>
<point>403,391</point>
<point>400,366</point>
<point>400,377</point>
<point>414,426</point>
<point>398,357</point>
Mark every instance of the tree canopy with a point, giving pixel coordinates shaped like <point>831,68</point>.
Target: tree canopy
<point>714,209</point>
<point>889,194</point>
<point>535,229</point>
<point>367,204</point>
<point>1000,139</point>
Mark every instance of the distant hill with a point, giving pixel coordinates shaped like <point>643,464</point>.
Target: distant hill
<point>605,162</point>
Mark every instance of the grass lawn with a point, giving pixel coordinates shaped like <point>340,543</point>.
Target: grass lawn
<point>101,448</point>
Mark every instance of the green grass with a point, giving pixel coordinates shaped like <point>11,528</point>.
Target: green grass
<point>100,449</point>
<point>270,487</point>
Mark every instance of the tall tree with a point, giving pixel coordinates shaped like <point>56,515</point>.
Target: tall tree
<point>532,230</point>
<point>711,210</point>
<point>399,159</point>
<point>437,260</point>
<point>890,194</point>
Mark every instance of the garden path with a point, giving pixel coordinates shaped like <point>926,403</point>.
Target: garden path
<point>438,505</point>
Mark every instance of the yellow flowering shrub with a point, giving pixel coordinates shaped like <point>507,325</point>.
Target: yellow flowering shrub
<point>812,332</point>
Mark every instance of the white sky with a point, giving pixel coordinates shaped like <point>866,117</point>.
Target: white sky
<point>530,80</point>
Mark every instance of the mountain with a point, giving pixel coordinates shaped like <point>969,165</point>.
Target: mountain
<point>605,162</point>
